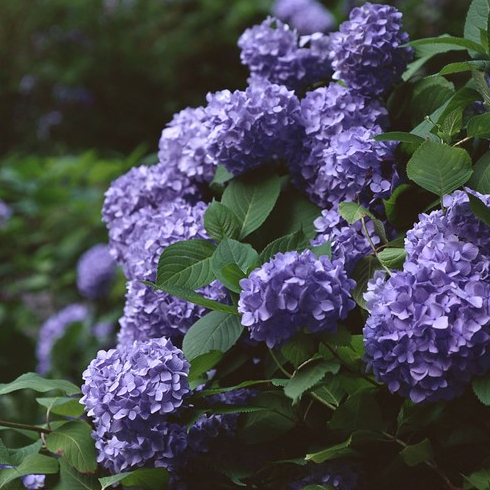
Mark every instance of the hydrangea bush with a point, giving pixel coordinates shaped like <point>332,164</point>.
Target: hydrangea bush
<point>308,282</point>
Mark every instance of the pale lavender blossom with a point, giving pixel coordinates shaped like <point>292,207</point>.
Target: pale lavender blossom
<point>306,16</point>
<point>53,329</point>
<point>5,213</point>
<point>96,270</point>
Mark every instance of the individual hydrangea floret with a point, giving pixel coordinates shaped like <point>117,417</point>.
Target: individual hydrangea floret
<point>294,291</point>
<point>141,187</point>
<point>306,16</point>
<point>128,392</point>
<point>351,167</point>
<point>348,241</point>
<point>155,229</point>
<point>428,332</point>
<point>5,212</point>
<point>255,127</point>
<point>53,329</point>
<point>335,475</point>
<point>151,313</point>
<point>366,52</point>
<point>95,271</point>
<point>274,52</point>
<point>183,145</point>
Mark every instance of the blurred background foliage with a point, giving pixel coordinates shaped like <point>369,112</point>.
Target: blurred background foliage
<point>86,87</point>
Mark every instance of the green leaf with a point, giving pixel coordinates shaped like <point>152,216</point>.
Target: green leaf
<point>476,19</point>
<point>463,66</point>
<point>299,349</point>
<point>391,203</point>
<point>251,201</point>
<point>334,452</point>
<point>439,168</point>
<point>479,479</point>
<point>214,331</point>
<point>60,405</point>
<point>321,250</point>
<point>330,390</point>
<point>428,95</point>
<point>202,364</point>
<point>393,258</point>
<point>293,241</point>
<point>480,209</point>
<point>232,261</point>
<point>359,411</point>
<point>417,453</point>
<point>145,478</point>
<point>482,87</point>
<point>71,479</point>
<point>221,175</point>
<point>74,442</point>
<point>443,44</point>
<point>481,388</point>
<point>352,212</point>
<point>306,377</point>
<point>186,264</point>
<point>363,271</point>
<point>193,297</point>
<point>14,457</point>
<point>479,126</point>
<point>221,222</point>
<point>400,136</point>
<point>480,180</point>
<point>35,382</point>
<point>32,464</point>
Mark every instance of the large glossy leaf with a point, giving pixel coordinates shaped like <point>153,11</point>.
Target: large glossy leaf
<point>37,383</point>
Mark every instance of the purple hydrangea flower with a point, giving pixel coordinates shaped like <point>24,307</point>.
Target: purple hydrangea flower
<point>141,187</point>
<point>95,271</point>
<point>294,291</point>
<point>338,476</point>
<point>34,482</point>
<point>353,166</point>
<point>366,52</point>
<point>274,52</point>
<point>348,241</point>
<point>183,145</point>
<point>53,329</point>
<point>128,392</point>
<point>151,313</point>
<point>254,127</point>
<point>306,16</point>
<point>429,329</point>
<point>155,229</point>
<point>5,212</point>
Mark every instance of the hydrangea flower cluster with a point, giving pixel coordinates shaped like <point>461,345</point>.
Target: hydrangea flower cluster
<point>95,272</point>
<point>151,313</point>
<point>294,291</point>
<point>306,16</point>
<point>429,329</point>
<point>338,476</point>
<point>156,229</point>
<point>366,52</point>
<point>339,159</point>
<point>274,52</point>
<point>183,145</point>
<point>53,329</point>
<point>128,392</point>
<point>348,241</point>
<point>5,212</point>
<point>253,127</point>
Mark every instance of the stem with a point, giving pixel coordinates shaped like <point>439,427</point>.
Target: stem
<point>430,463</point>
<point>364,376</point>
<point>15,425</point>
<point>464,140</point>
<point>366,232</point>
<point>322,401</point>
<point>279,365</point>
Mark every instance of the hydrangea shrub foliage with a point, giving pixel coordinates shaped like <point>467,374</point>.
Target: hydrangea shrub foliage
<point>308,280</point>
